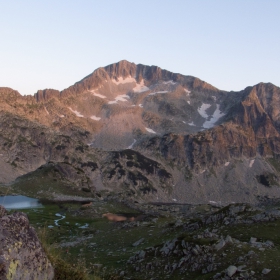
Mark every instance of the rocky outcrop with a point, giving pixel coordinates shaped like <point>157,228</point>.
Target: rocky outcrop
<point>46,94</point>
<point>251,127</point>
<point>21,253</point>
<point>139,174</point>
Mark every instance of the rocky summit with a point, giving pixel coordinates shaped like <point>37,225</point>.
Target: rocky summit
<point>143,133</point>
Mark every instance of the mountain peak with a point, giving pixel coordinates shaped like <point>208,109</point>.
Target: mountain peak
<point>125,69</point>
<point>122,69</point>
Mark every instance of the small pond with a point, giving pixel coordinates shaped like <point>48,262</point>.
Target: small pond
<point>19,202</point>
<point>41,215</point>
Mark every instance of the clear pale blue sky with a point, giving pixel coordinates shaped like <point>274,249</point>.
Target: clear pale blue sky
<point>55,43</point>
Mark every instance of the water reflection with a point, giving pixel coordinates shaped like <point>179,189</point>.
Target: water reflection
<point>61,218</point>
<point>19,202</point>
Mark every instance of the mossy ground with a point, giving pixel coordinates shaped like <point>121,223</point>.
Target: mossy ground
<point>110,244</point>
<point>102,242</point>
<point>263,231</point>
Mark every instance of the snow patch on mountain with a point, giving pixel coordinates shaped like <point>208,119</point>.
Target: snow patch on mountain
<point>121,80</point>
<point>251,163</point>
<point>140,87</point>
<point>215,202</point>
<point>214,118</point>
<point>227,163</point>
<point>46,110</point>
<point>95,118</point>
<point>150,130</point>
<point>131,146</point>
<point>78,114</point>
<point>171,82</point>
<point>202,110</point>
<point>187,91</point>
<point>98,95</point>
<point>140,105</point>
<point>191,124</point>
<point>122,97</point>
<point>163,91</point>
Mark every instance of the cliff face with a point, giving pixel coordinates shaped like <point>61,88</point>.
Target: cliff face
<point>196,136</point>
<point>252,128</point>
<point>46,94</point>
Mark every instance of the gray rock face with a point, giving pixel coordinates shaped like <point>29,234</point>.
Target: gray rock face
<point>21,254</point>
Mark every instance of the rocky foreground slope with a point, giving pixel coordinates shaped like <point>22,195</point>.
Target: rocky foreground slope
<point>146,133</point>
<point>164,240</point>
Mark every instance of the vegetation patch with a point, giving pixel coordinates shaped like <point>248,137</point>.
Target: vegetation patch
<point>60,147</point>
<point>90,164</point>
<point>188,174</point>
<point>137,178</point>
<point>275,163</point>
<point>268,179</point>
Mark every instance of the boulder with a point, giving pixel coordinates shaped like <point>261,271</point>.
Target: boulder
<point>266,271</point>
<point>228,239</point>
<point>178,223</point>
<point>138,242</point>
<point>220,244</point>
<point>269,243</point>
<point>231,270</point>
<point>253,240</point>
<point>21,254</point>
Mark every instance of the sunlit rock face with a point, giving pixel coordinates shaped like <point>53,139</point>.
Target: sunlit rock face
<point>205,138</point>
<point>122,102</point>
<point>22,256</point>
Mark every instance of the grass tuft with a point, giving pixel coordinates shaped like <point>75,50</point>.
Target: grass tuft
<point>63,269</point>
